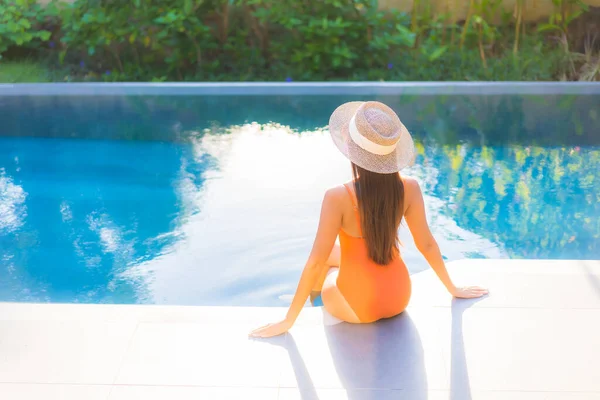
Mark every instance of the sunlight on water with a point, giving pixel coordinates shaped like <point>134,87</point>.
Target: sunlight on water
<point>12,207</point>
<point>258,216</point>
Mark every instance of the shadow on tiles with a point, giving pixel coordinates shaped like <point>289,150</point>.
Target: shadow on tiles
<point>460,385</point>
<point>385,355</point>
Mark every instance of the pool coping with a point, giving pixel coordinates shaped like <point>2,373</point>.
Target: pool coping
<point>301,88</point>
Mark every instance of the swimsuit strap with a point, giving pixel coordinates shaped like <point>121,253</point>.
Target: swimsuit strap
<point>355,206</point>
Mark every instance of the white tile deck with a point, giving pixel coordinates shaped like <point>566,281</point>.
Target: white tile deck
<point>536,336</point>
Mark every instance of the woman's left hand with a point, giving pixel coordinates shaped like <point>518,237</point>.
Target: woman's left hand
<point>270,330</point>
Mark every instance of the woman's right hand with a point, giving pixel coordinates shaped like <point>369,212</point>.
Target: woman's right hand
<point>469,292</point>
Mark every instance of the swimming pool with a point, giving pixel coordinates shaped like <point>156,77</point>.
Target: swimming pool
<point>214,199</point>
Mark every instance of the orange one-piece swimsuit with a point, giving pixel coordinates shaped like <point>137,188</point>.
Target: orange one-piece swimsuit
<point>373,291</point>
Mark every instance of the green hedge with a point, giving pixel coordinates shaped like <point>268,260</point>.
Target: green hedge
<point>300,40</point>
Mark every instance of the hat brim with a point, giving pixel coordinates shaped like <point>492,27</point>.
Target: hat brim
<point>402,157</point>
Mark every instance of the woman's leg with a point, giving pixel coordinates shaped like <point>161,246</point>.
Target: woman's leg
<point>334,301</point>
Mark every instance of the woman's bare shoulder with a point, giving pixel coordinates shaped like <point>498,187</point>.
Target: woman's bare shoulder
<point>411,188</point>
<point>410,183</point>
<point>336,193</point>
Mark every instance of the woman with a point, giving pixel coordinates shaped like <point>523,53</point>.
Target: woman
<point>364,278</point>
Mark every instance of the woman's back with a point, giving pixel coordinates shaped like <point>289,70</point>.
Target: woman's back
<point>373,291</point>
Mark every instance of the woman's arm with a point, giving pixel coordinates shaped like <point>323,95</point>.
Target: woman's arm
<point>417,223</point>
<point>329,227</point>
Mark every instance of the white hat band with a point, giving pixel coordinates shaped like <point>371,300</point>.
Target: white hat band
<point>367,144</point>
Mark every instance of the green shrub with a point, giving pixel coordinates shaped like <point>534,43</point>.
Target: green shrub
<point>19,24</point>
<point>331,38</point>
<point>308,40</point>
<point>165,36</point>
<point>186,38</point>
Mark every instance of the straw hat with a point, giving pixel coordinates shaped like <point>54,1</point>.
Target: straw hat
<point>371,135</point>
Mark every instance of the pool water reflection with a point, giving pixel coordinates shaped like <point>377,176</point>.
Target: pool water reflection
<point>227,215</point>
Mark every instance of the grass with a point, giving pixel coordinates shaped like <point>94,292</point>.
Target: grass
<point>24,72</point>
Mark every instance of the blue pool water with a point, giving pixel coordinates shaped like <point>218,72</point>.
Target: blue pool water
<point>215,200</point>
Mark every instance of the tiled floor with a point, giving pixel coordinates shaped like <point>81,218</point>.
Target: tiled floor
<point>536,336</point>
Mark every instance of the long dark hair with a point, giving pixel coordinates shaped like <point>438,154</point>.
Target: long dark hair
<point>381,206</point>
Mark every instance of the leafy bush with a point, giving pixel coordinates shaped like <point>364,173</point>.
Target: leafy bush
<point>187,38</point>
<point>329,38</point>
<point>19,23</point>
<point>167,35</point>
<point>308,40</point>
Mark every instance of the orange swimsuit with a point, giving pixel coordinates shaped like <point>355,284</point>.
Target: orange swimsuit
<point>373,291</point>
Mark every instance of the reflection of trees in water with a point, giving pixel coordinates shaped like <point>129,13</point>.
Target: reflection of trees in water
<point>93,210</point>
<point>518,170</point>
<point>544,120</point>
<point>537,202</point>
<point>550,120</point>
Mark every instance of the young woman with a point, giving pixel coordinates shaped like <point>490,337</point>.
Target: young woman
<point>364,278</point>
